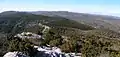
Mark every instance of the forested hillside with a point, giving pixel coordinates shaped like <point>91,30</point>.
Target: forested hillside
<point>67,34</point>
<point>98,21</point>
<point>12,23</point>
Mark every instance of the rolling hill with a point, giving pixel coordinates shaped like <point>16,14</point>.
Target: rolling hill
<point>11,20</point>
<point>97,21</point>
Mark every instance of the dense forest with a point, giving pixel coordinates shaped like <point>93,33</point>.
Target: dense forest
<point>69,35</point>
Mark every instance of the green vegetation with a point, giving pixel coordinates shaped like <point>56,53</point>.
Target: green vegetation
<point>67,34</point>
<point>92,43</point>
<point>25,46</point>
<point>18,22</point>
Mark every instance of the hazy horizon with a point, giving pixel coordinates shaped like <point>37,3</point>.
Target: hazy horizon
<point>102,7</point>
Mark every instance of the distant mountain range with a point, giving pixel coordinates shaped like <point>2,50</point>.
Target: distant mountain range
<point>97,21</point>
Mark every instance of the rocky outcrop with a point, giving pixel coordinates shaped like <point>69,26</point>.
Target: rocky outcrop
<point>28,35</point>
<point>15,54</point>
<point>43,51</point>
<point>48,52</point>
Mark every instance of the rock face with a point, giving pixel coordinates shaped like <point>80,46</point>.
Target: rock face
<point>15,54</point>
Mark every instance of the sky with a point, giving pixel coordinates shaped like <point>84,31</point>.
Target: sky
<point>105,7</point>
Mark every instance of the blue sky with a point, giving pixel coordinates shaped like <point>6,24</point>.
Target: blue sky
<point>107,7</point>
